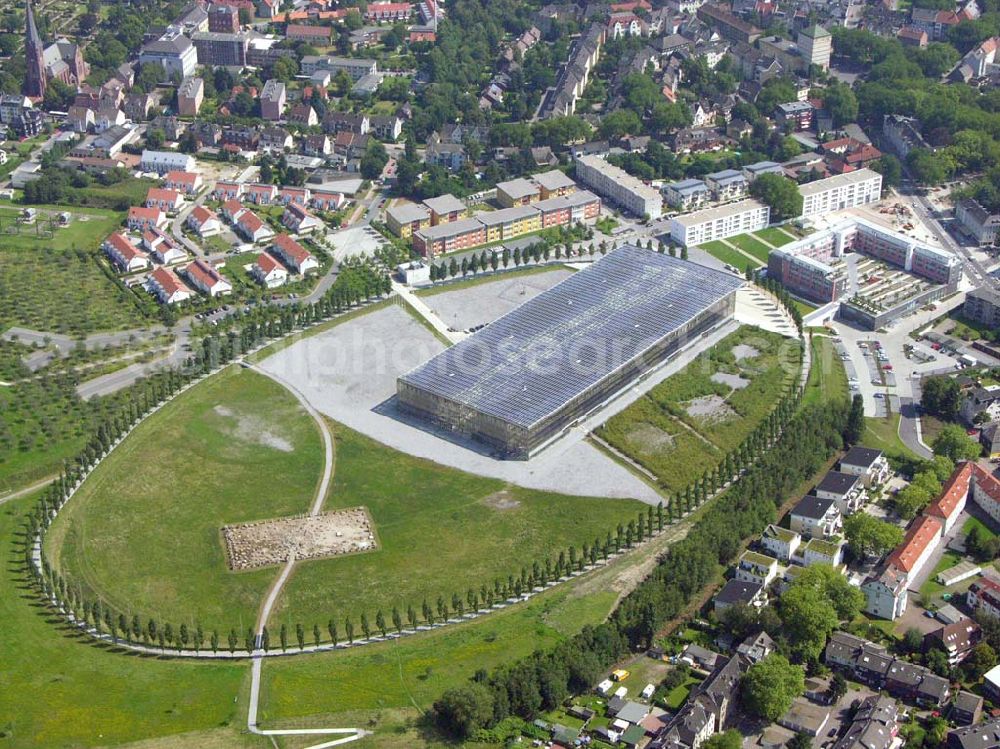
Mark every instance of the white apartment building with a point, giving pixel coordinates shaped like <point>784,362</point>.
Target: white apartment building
<point>162,162</point>
<point>885,593</point>
<point>841,191</point>
<point>619,187</point>
<point>719,223</point>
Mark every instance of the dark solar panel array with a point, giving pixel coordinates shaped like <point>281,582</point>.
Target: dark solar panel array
<point>533,360</point>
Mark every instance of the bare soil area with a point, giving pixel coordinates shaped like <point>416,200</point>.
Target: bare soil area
<point>710,408</point>
<point>270,542</point>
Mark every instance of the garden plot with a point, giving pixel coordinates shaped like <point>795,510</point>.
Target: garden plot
<point>272,542</point>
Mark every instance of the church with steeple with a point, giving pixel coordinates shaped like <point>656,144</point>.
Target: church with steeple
<point>34,76</point>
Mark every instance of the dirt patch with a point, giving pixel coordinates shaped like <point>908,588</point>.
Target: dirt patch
<point>743,351</point>
<point>502,500</point>
<point>270,542</point>
<point>736,382</point>
<point>646,436</point>
<point>710,408</point>
<point>252,429</point>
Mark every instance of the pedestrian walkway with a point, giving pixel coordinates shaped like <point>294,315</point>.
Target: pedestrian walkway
<point>426,313</point>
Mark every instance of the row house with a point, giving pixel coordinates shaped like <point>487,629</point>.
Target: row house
<point>162,247</point>
<point>164,284</point>
<point>227,191</point>
<point>275,139</point>
<point>954,494</point>
<point>317,145</point>
<point>252,227</point>
<point>918,546</point>
<point>377,12</point>
<point>293,254</point>
<point>338,122</point>
<point>140,217</point>
<point>203,222</point>
<point>297,195</point>
<point>268,272</point>
<point>327,200</point>
<point>205,278</point>
<point>244,138</point>
<point>186,183</point>
<point>260,194</point>
<point>298,220</point>
<point>871,664</point>
<point>125,256</point>
<point>168,201</point>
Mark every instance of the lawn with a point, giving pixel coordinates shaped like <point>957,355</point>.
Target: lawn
<point>441,532</point>
<point>667,435</point>
<point>827,377</point>
<point>883,433</point>
<point>755,247</point>
<point>804,308</point>
<point>775,236</point>
<point>676,696</point>
<point>728,255</point>
<point>54,283</point>
<point>61,691</point>
<point>144,532</point>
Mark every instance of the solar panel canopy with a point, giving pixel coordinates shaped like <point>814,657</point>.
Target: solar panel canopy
<point>524,367</point>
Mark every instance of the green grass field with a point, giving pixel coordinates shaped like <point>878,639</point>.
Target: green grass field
<point>144,532</point>
<point>61,691</point>
<point>659,432</point>
<point>775,236</point>
<point>53,283</point>
<point>883,433</point>
<point>728,255</point>
<point>755,247</point>
<point>827,377</point>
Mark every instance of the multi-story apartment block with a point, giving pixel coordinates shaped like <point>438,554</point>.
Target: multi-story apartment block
<point>814,517</point>
<point>190,94</point>
<point>407,218</point>
<point>729,26</point>
<point>902,134</point>
<point>816,46</point>
<point>173,52</point>
<point>982,305</point>
<point>885,593</point>
<point>687,194</point>
<point>753,171</point>
<point>449,236</point>
<point>781,542</point>
<point>799,114</point>
<point>223,19</point>
<point>806,276</point>
<point>573,208</point>
<point>718,223</point>
<point>554,184</point>
<point>619,187</point>
<point>355,67</point>
<point>517,192</point>
<point>508,223</point>
<point>216,49</point>
<point>841,191</point>
<point>756,568</point>
<point>272,100</point>
<point>976,221</point>
<point>729,184</point>
<point>445,208</point>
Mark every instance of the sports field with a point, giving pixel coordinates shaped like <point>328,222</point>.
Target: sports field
<point>685,425</point>
<point>144,532</point>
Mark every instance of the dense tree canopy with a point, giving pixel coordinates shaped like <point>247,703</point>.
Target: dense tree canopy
<point>770,686</point>
<point>867,535</point>
<point>780,193</point>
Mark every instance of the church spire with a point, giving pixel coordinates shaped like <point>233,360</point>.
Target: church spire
<point>34,77</point>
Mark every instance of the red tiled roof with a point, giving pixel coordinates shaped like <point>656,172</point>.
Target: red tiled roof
<point>267,263</point>
<point>250,221</point>
<point>162,194</point>
<point>168,281</point>
<point>232,206</point>
<point>262,189</point>
<point>302,30</point>
<point>144,214</point>
<point>955,490</point>
<point>124,248</point>
<point>187,178</point>
<point>924,531</point>
<point>201,214</point>
<point>204,272</point>
<point>986,482</point>
<point>291,249</point>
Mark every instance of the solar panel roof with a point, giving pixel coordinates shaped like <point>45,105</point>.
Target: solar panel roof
<point>529,363</point>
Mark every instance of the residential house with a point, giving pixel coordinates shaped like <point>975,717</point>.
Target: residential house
<point>303,114</point>
<point>729,184</point>
<point>517,192</point>
<point>966,709</point>
<point>756,568</point>
<point>886,593</point>
<point>125,256</point>
<point>252,227</point>
<point>918,545</point>
<point>821,551</point>
<point>756,648</point>
<point>846,489</point>
<point>386,127</point>
<point>293,254</point>
<point>272,100</point>
<point>164,284</point>
<point>451,156</point>
<point>269,272</point>
<point>780,542</point>
<point>981,736</point>
<point>874,725</point>
<point>870,464</point>
<point>299,220</point>
<point>687,194</point>
<point>168,201</point>
<point>162,247</point>
<point>275,139</point>
<point>984,594</point>
<point>259,194</point>
<point>203,222</point>
<point>740,592</point>
<point>976,222</point>
<point>957,640</point>
<point>186,183</point>
<point>205,278</point>
<point>317,145</point>
<point>140,217</point>
<point>815,517</point>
